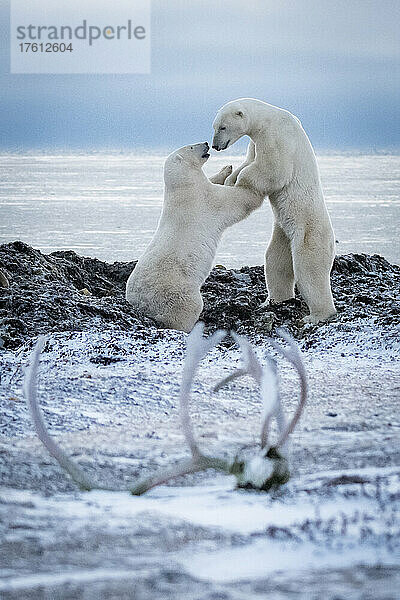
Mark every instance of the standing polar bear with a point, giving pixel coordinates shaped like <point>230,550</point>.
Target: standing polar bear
<point>281,164</point>
<point>166,281</point>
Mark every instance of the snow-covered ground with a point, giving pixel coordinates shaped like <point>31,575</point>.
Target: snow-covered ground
<point>331,532</point>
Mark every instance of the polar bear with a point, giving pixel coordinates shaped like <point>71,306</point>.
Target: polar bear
<point>281,164</point>
<point>166,281</point>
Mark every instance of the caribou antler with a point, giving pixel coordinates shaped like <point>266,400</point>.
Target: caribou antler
<point>293,355</point>
<point>196,348</point>
<point>267,469</point>
<point>30,393</point>
<point>270,468</point>
<point>266,378</point>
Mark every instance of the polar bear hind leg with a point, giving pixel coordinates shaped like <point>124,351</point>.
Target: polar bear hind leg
<point>279,273</point>
<point>179,311</point>
<point>312,267</point>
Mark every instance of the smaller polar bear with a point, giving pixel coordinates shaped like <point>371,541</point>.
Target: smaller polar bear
<point>281,164</point>
<point>166,281</point>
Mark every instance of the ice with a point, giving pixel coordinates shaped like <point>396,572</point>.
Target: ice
<point>59,202</point>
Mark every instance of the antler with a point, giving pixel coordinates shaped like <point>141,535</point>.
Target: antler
<point>263,471</point>
<point>30,393</point>
<point>3,280</point>
<point>293,355</point>
<point>266,377</point>
<point>197,348</point>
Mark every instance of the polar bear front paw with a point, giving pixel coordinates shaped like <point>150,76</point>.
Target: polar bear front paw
<point>222,175</point>
<point>231,180</point>
<point>225,172</point>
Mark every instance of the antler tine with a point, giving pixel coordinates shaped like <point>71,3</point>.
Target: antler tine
<point>30,393</point>
<point>288,353</point>
<point>270,397</point>
<point>294,356</point>
<point>250,358</point>
<point>197,347</point>
<point>266,377</point>
<point>249,473</point>
<point>252,365</point>
<point>229,378</point>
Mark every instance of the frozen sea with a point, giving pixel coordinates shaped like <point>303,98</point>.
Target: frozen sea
<point>108,205</point>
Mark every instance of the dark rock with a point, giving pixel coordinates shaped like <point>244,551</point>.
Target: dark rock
<point>45,295</point>
<point>100,359</point>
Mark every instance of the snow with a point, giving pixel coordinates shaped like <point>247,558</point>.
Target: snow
<point>260,559</point>
<point>336,523</point>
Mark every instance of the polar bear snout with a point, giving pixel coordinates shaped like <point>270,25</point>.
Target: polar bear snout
<point>218,148</point>
<point>206,148</point>
<point>194,155</point>
<point>219,143</point>
<point>201,150</point>
<point>215,142</point>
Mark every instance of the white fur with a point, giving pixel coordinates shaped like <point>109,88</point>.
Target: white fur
<point>165,284</point>
<point>281,164</point>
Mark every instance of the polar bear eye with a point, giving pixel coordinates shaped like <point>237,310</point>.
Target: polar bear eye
<point>222,128</point>
<point>191,147</point>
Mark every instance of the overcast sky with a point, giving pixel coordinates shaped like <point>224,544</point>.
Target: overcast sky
<point>334,63</point>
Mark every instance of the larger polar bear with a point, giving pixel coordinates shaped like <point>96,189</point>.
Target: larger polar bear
<point>281,164</point>
<point>166,281</point>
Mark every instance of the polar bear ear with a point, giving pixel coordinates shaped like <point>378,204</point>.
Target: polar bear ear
<point>179,157</point>
<point>239,113</point>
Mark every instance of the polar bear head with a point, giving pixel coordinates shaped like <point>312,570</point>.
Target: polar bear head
<point>230,124</point>
<point>184,162</point>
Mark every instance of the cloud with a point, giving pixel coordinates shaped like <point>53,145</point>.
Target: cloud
<point>335,64</point>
